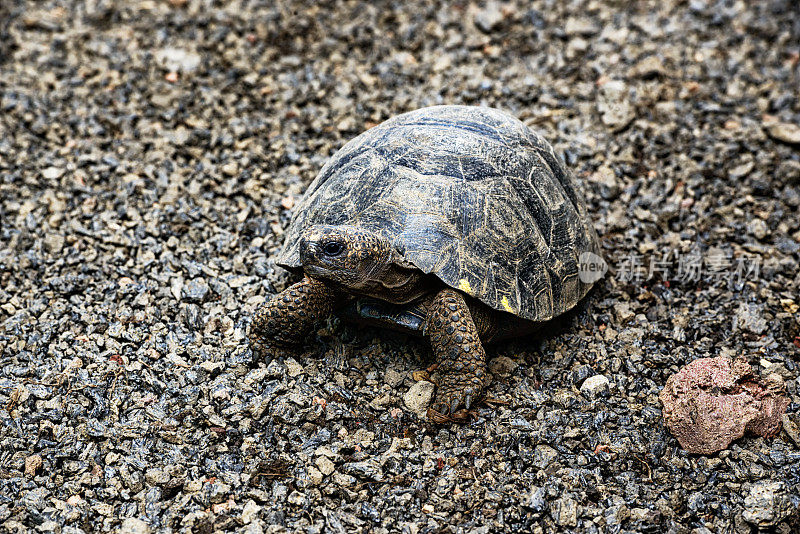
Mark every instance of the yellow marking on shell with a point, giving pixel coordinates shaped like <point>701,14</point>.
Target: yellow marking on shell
<point>463,285</point>
<point>506,305</point>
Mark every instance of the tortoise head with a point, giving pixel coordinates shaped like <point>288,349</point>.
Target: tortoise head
<point>361,261</point>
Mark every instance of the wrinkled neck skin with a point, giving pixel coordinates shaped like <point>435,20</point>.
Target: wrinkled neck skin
<point>393,283</point>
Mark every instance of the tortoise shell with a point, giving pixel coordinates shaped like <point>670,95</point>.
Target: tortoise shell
<point>469,194</point>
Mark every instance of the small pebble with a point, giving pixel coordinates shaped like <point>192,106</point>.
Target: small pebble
<point>786,132</point>
<point>418,397</point>
<point>32,464</point>
<point>132,525</point>
<point>490,17</point>
<point>767,504</point>
<point>594,386</point>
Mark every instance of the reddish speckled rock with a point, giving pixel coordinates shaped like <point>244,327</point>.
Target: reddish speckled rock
<point>713,401</point>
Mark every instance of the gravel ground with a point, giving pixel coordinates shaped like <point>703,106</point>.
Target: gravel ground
<point>151,153</point>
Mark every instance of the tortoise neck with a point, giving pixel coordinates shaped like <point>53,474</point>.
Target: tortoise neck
<point>395,283</point>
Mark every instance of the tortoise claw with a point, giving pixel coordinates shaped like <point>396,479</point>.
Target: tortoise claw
<point>467,401</point>
<point>461,416</point>
<point>454,405</point>
<point>421,376</point>
<point>453,401</point>
<point>437,417</point>
<point>440,408</point>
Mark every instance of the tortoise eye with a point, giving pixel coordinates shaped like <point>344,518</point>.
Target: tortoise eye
<point>333,248</point>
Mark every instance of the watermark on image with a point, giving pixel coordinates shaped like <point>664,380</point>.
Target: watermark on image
<point>693,267</point>
<point>591,267</point>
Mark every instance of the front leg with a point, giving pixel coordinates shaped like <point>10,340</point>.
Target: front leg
<point>460,358</point>
<point>284,320</point>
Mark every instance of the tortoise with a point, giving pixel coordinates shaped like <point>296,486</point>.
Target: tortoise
<point>458,223</point>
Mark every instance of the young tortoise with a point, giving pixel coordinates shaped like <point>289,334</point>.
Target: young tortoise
<point>457,223</point>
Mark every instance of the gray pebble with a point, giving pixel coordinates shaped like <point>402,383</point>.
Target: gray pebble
<point>768,503</point>
<point>490,17</point>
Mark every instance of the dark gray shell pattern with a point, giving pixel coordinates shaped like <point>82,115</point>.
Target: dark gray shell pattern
<point>471,195</point>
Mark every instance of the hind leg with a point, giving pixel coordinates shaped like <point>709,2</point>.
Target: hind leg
<point>460,358</point>
<point>287,318</point>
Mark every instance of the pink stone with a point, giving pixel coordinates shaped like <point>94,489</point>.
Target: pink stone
<point>714,401</point>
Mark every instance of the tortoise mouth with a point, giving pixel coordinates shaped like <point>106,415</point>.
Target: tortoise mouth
<point>317,271</point>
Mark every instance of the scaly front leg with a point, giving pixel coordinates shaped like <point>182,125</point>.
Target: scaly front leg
<point>284,320</point>
<point>460,358</point>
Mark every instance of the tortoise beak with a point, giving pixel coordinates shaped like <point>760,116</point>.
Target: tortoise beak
<point>309,259</point>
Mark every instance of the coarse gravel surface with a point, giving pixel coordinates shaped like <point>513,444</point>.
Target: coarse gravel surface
<point>152,152</point>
